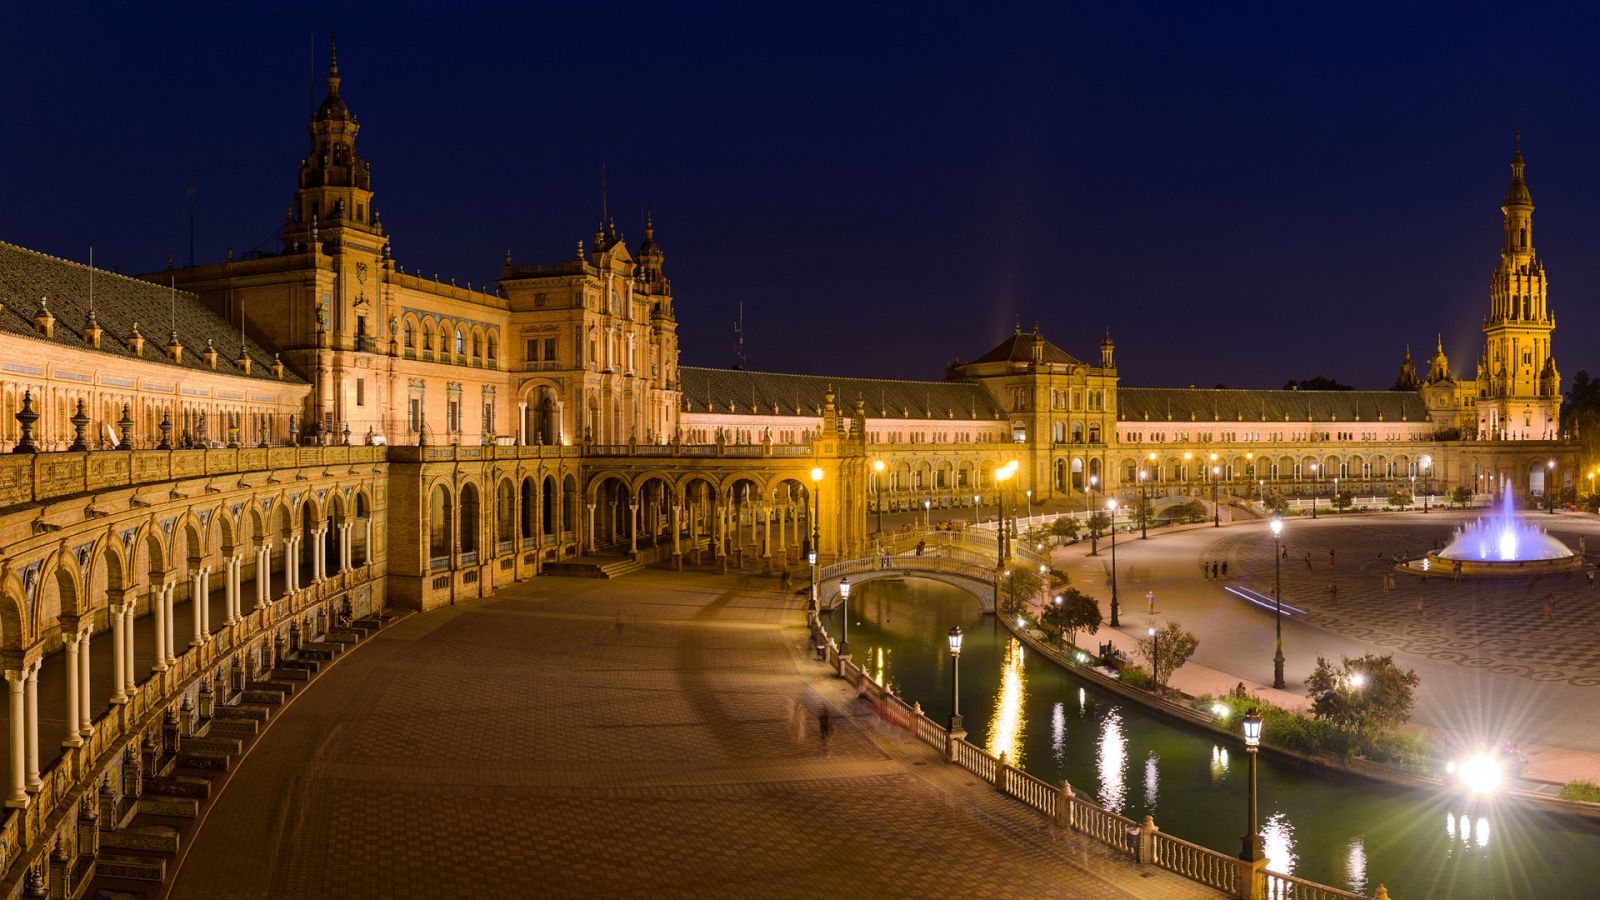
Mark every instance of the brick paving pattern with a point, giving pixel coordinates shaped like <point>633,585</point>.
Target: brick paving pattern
<point>655,735</point>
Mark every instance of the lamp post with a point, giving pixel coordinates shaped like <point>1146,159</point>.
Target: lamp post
<point>1112,505</point>
<point>1277,599</point>
<point>927,513</point>
<point>1059,638</point>
<point>1216,474</point>
<point>1001,476</point>
<point>844,594</point>
<point>1253,851</point>
<point>1044,589</point>
<point>877,496</point>
<point>1335,498</point>
<point>1427,480</point>
<point>1144,503</point>
<point>955,681</point>
<point>1144,513</point>
<point>1155,656</point>
<point>816,534</point>
<point>1029,494</point>
<point>1550,487</point>
<point>1316,489</point>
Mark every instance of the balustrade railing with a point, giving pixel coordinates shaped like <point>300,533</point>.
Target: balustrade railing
<point>1146,843</point>
<point>1197,863</point>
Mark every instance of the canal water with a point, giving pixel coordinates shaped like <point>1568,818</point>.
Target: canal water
<point>1336,829</point>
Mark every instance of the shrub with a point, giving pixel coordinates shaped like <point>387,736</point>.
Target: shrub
<point>1134,676</point>
<point>1586,791</point>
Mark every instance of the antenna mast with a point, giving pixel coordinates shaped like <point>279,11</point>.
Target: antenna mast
<point>738,339</point>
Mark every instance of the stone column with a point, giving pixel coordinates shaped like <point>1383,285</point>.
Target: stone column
<point>202,609</point>
<point>633,528</point>
<point>677,519</point>
<point>319,556</point>
<point>128,679</point>
<point>368,544</point>
<point>783,520</point>
<point>32,705</point>
<point>119,661</point>
<point>291,564</point>
<point>171,594</point>
<point>766,531</point>
<point>263,575</point>
<point>590,546</point>
<point>73,690</point>
<point>85,711</point>
<point>522,424</point>
<point>158,609</point>
<point>196,585</point>
<point>18,715</point>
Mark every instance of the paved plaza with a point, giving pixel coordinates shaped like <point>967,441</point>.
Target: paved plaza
<point>656,735</point>
<point>1493,665</point>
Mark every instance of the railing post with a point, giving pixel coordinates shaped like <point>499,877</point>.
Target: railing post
<point>1065,814</point>
<point>1147,839</point>
<point>1000,768</point>
<point>1253,880</point>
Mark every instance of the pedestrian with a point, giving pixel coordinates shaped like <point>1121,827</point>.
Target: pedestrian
<point>1419,605</point>
<point>1330,559</point>
<point>1333,593</point>
<point>1205,570</point>
<point>1150,602</point>
<point>1549,606</point>
<point>1308,561</point>
<point>1591,579</point>
<point>1224,568</point>
<point>825,730</point>
<point>784,581</point>
<point>1285,553</point>
<point>1214,570</point>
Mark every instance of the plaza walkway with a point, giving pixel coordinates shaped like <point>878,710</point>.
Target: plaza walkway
<point>1492,665</point>
<point>656,735</point>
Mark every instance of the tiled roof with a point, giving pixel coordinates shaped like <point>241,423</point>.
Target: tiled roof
<point>1019,348</point>
<point>742,392</point>
<point>1220,405</point>
<point>119,302</point>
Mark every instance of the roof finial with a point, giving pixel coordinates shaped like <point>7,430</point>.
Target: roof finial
<point>333,66</point>
<point>1018,325</point>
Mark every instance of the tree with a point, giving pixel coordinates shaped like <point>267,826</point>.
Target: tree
<point>1036,537</point>
<point>1076,612</point>
<point>1399,498</point>
<point>1460,496</point>
<point>1343,499</point>
<point>1276,502</point>
<point>1319,383</point>
<point>1366,696</point>
<point>1019,586</point>
<point>1167,650</point>
<point>1192,511</point>
<point>1065,528</point>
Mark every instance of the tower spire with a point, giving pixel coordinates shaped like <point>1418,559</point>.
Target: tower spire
<point>333,66</point>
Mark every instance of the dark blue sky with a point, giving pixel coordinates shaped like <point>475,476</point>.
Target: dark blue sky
<point>1241,194</point>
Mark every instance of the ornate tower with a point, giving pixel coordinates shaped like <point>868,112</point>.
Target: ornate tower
<point>334,196</point>
<point>1519,387</point>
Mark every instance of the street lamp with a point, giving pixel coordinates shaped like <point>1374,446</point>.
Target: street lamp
<point>1001,476</point>
<point>844,594</point>
<point>955,681</point>
<point>1216,473</point>
<point>877,496</point>
<point>1112,505</point>
<point>1253,851</point>
<point>1427,479</point>
<point>1335,497</point>
<point>816,504</point>
<point>1044,589</point>
<point>1277,599</point>
<point>1144,493</point>
<point>1144,514</point>
<point>1155,656</point>
<point>1029,494</point>
<point>1058,621</point>
<point>1550,487</point>
<point>927,511</point>
<point>1316,489</point>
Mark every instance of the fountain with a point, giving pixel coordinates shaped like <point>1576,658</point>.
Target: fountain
<point>1500,543</point>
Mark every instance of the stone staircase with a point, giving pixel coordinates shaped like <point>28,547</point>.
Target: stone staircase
<point>594,567</point>
<point>142,837</point>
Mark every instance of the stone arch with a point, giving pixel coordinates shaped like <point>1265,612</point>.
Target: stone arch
<point>505,511</point>
<point>57,592</point>
<point>441,521</point>
<point>470,514</point>
<point>108,576</point>
<point>529,507</point>
<point>11,636</point>
<point>569,504</point>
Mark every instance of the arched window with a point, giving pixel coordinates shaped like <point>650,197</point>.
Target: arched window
<point>460,342</point>
<point>411,343</point>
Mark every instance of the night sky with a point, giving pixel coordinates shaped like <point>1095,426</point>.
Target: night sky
<point>1241,194</point>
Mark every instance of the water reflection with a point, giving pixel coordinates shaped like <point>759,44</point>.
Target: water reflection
<point>1278,838</point>
<point>1219,762</point>
<point>1152,782</point>
<point>1111,763</point>
<point>882,667</point>
<point>1083,700</point>
<point>1008,718</point>
<point>1355,867</point>
<point>1058,731</point>
<point>1469,831</point>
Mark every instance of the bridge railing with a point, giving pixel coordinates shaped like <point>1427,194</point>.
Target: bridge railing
<point>980,545</point>
<point>1140,841</point>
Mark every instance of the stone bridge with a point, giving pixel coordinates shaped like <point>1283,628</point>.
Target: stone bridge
<point>975,578</point>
